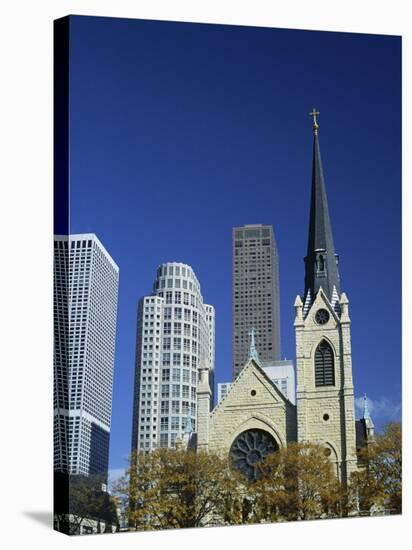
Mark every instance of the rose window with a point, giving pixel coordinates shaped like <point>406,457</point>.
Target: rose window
<point>249,448</point>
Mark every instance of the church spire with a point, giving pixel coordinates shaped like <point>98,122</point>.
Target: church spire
<point>253,354</point>
<point>321,262</point>
<point>365,407</point>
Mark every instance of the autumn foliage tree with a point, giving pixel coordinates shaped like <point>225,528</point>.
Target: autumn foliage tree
<point>379,480</point>
<point>79,499</point>
<point>171,488</point>
<point>298,482</point>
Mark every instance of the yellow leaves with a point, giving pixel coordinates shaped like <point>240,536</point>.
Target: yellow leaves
<point>171,488</point>
<point>298,483</point>
<point>379,481</point>
<point>174,488</point>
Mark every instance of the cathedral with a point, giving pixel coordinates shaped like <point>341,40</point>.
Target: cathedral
<point>255,418</point>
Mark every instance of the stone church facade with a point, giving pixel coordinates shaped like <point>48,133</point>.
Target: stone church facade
<point>255,418</point>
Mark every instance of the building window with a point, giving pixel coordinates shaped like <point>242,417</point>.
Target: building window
<point>324,365</point>
<point>321,263</point>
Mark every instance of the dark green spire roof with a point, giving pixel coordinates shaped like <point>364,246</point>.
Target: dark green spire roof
<point>321,262</point>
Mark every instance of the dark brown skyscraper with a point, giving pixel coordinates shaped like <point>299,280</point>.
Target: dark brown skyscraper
<point>255,270</point>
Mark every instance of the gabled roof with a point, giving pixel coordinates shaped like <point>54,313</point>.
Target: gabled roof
<point>252,364</point>
<point>321,300</point>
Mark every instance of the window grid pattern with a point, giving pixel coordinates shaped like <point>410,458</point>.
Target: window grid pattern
<point>85,307</point>
<point>175,330</point>
<point>255,294</point>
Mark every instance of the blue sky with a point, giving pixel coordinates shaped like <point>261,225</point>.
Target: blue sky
<point>178,132</point>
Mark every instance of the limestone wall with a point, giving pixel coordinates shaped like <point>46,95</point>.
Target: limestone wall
<point>252,402</point>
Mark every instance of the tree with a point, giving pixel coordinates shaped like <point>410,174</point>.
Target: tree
<point>82,499</point>
<point>171,488</point>
<point>297,482</point>
<point>379,481</point>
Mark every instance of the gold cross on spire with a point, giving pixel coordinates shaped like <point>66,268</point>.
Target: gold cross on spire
<point>315,126</point>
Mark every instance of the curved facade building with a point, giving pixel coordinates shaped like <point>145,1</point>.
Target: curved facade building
<point>175,334</point>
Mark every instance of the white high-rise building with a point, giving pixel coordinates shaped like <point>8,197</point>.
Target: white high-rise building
<point>222,390</point>
<point>175,334</point>
<point>210,320</point>
<point>282,374</point>
<point>86,283</point>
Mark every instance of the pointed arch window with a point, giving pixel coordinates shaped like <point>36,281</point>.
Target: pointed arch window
<point>324,365</point>
<point>321,263</point>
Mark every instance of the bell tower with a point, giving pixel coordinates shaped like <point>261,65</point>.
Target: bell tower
<point>325,397</point>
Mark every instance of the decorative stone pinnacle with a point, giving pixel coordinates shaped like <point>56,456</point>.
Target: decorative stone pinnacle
<point>188,427</point>
<point>314,113</point>
<point>253,354</point>
<point>344,299</point>
<point>365,407</point>
<point>298,301</point>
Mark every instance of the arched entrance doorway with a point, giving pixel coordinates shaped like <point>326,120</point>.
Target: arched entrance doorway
<point>249,448</point>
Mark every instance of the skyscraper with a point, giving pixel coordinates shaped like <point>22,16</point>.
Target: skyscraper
<point>255,293</point>
<point>85,307</point>
<point>175,335</point>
